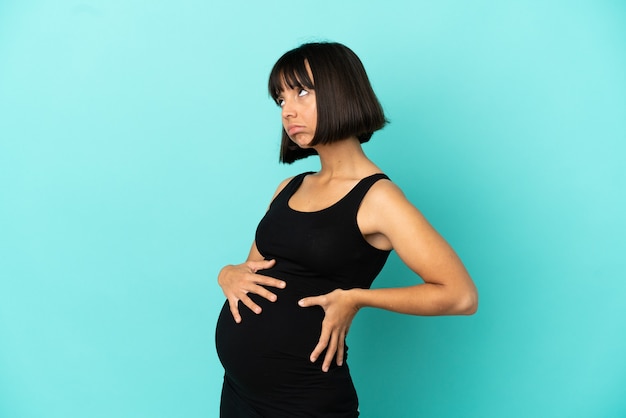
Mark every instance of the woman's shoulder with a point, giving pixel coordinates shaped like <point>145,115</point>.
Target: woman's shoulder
<point>384,194</point>
<point>282,185</point>
<point>285,182</point>
<point>384,187</point>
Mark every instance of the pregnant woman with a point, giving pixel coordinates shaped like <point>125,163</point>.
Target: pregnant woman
<point>325,237</point>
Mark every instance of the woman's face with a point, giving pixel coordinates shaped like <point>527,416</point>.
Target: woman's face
<point>299,113</point>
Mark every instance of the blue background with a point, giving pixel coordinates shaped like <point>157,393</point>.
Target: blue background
<point>139,147</point>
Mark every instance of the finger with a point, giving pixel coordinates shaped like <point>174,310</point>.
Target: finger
<point>341,349</point>
<point>310,301</point>
<point>269,281</point>
<point>234,310</point>
<point>330,352</point>
<point>263,292</point>
<point>321,344</point>
<point>250,304</point>
<point>260,265</point>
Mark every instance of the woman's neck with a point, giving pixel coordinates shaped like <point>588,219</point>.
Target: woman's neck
<point>344,159</point>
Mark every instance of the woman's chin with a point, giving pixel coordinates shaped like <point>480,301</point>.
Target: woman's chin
<point>304,144</point>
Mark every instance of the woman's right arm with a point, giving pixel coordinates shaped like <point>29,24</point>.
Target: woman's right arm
<point>238,280</point>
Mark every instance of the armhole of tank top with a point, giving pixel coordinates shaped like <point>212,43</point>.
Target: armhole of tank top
<point>293,183</point>
<point>375,179</point>
<point>365,185</point>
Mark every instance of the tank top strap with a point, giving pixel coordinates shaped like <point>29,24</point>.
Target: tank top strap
<point>356,195</point>
<point>290,188</point>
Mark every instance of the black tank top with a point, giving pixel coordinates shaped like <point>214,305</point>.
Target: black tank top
<point>266,356</point>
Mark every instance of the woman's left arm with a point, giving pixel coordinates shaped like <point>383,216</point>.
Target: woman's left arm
<point>393,222</point>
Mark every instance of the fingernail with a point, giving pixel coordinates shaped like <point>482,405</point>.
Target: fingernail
<point>300,303</point>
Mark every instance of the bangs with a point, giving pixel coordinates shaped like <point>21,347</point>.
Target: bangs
<point>290,71</point>
<point>344,99</point>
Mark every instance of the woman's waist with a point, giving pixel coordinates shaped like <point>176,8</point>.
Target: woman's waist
<point>305,282</point>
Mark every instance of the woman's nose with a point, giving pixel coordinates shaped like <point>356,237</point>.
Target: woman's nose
<point>288,109</point>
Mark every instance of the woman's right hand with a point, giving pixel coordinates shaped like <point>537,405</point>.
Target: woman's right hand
<point>238,280</point>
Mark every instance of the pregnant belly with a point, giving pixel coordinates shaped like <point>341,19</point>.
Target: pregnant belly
<point>271,349</point>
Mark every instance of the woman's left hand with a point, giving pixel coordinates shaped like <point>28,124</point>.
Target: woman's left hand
<point>339,311</point>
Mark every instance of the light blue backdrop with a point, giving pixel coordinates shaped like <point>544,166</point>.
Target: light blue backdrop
<point>138,150</point>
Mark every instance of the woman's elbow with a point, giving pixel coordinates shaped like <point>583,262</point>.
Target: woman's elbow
<point>468,302</point>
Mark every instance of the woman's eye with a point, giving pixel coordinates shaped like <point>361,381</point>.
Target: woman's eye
<point>303,92</point>
<point>280,102</point>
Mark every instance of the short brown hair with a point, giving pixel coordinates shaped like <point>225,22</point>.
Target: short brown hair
<point>346,103</point>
